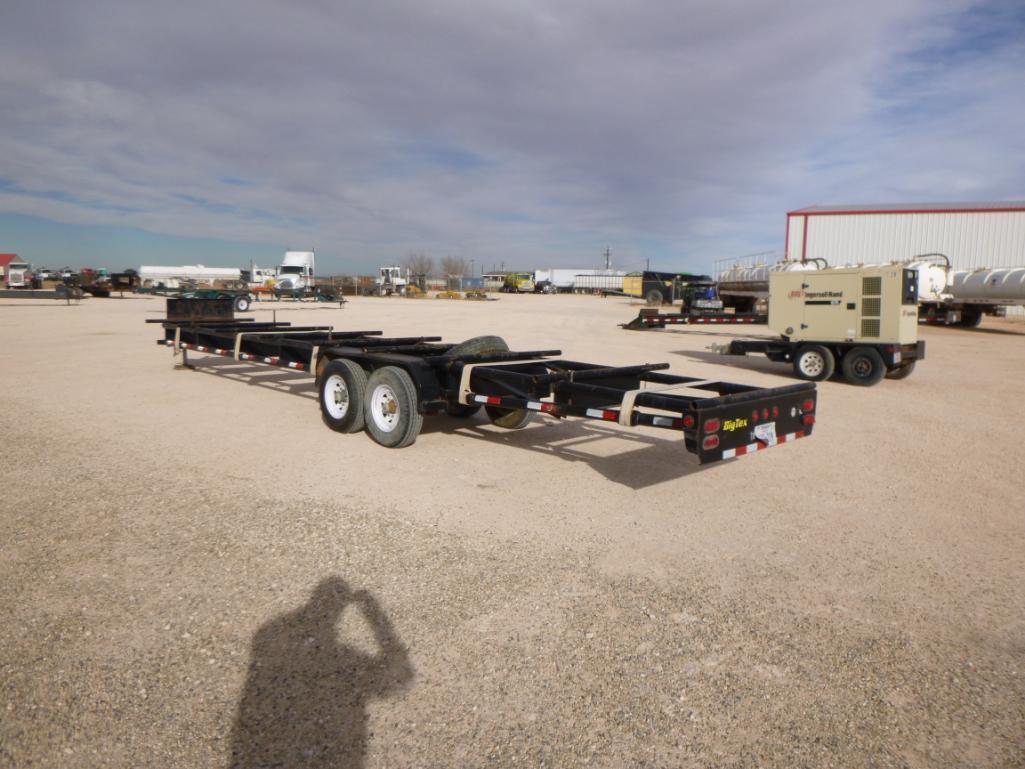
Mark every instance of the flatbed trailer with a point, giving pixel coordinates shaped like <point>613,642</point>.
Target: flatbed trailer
<point>388,384</point>
<point>651,318</point>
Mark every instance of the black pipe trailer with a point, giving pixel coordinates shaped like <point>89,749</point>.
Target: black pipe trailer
<point>651,318</point>
<point>387,385</point>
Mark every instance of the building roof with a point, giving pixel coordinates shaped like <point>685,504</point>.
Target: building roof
<point>6,259</point>
<point>914,208</point>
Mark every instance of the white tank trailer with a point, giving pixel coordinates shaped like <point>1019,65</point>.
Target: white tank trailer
<point>742,288</point>
<point>967,295</point>
<point>152,276</point>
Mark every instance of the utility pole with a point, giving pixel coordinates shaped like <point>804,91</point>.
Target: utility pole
<point>647,264</point>
<point>608,258</point>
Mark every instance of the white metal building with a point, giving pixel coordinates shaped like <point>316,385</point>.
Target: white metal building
<point>972,235</point>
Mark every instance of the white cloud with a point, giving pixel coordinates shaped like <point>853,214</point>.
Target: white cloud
<point>517,132</point>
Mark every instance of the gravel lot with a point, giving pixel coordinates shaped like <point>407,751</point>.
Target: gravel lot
<point>196,572</point>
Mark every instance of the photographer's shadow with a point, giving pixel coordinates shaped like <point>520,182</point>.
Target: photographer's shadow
<point>304,700</point>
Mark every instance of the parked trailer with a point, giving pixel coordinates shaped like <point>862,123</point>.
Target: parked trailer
<point>388,385</point>
<point>652,318</point>
<point>864,319</point>
<point>604,283</point>
<point>948,297</point>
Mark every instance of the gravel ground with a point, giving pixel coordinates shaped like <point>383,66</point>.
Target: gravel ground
<point>196,572</point>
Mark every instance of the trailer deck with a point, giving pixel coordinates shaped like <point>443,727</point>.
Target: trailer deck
<point>388,384</point>
<point>653,318</point>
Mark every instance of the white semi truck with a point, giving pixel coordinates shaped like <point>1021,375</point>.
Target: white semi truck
<point>296,271</point>
<point>392,280</point>
<point>18,274</point>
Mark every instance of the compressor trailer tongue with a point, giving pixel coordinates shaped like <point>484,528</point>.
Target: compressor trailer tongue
<point>387,386</point>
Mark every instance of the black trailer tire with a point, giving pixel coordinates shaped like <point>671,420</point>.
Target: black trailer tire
<point>903,371</point>
<point>341,390</point>
<point>241,303</point>
<point>814,363</point>
<point>390,408</point>
<point>863,366</point>
<point>478,345</point>
<point>971,318</point>
<point>654,298</point>
<point>510,419</point>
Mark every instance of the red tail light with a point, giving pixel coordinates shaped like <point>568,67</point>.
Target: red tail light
<point>754,415</point>
<point>808,419</point>
<point>765,413</point>
<point>808,405</point>
<point>775,411</point>
<point>688,421</point>
<point>710,442</point>
<point>712,426</point>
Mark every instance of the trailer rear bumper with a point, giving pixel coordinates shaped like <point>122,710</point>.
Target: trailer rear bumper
<point>758,420</point>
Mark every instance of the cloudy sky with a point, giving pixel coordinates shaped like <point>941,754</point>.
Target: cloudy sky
<point>531,133</point>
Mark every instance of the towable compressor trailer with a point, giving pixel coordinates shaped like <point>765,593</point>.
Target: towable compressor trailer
<point>388,385</point>
<point>862,319</point>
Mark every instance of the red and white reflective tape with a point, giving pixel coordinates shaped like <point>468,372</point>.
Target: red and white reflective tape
<point>656,320</point>
<point>242,355</point>
<point>608,416</point>
<point>667,422</point>
<point>543,406</point>
<point>751,448</point>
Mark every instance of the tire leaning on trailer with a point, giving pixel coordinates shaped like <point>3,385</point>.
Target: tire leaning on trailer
<point>510,419</point>
<point>814,363</point>
<point>478,345</point>
<point>390,408</point>
<point>341,390</point>
<point>863,366</point>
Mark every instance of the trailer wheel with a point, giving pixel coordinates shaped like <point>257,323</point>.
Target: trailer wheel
<point>902,371</point>
<point>241,303</point>
<point>510,419</point>
<point>654,298</point>
<point>814,363</point>
<point>341,385</point>
<point>971,318</point>
<point>390,408</point>
<point>863,366</point>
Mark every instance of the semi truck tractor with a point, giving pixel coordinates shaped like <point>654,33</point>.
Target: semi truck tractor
<point>296,271</point>
<point>863,320</point>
